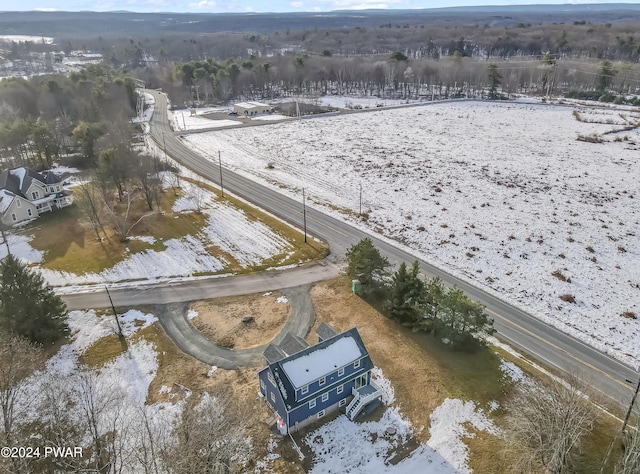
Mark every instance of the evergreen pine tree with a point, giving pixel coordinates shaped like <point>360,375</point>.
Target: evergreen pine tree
<point>407,294</point>
<point>494,81</point>
<point>366,264</point>
<point>28,305</point>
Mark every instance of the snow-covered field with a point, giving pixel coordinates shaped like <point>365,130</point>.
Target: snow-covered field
<point>501,194</point>
<point>184,120</point>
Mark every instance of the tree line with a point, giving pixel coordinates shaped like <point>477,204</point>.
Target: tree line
<point>414,302</point>
<point>393,77</point>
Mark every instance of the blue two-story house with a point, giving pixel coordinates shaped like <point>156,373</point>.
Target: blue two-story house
<point>303,383</point>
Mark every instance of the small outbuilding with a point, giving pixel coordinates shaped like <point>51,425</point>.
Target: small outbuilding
<point>250,109</point>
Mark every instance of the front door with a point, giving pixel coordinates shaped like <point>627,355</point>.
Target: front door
<point>361,381</point>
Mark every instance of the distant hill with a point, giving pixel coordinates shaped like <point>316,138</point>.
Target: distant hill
<point>112,24</point>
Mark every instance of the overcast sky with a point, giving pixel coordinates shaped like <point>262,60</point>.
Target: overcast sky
<point>222,6</point>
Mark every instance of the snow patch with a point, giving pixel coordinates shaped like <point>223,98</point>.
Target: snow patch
<point>448,427</point>
<point>511,371</point>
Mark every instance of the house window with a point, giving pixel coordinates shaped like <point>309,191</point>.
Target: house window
<point>273,397</point>
<point>343,402</point>
<point>13,216</point>
<point>341,372</point>
<point>340,389</point>
<point>356,364</point>
<point>305,389</point>
<point>270,377</point>
<point>325,397</point>
<point>35,194</point>
<point>263,386</point>
<point>18,203</point>
<point>323,380</point>
<point>51,189</point>
<point>57,188</point>
<point>29,212</point>
<point>320,413</point>
<point>312,403</point>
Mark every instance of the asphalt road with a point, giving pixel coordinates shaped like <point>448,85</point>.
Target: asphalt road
<point>523,331</point>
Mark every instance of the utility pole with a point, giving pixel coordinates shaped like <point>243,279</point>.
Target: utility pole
<point>115,313</point>
<point>304,215</point>
<point>220,165</point>
<point>633,401</point>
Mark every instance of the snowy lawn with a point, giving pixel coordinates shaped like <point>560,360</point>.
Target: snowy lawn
<point>228,242</point>
<point>121,385</point>
<point>501,194</point>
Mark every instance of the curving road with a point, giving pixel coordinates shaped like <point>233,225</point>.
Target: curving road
<point>516,327</point>
<point>173,318</point>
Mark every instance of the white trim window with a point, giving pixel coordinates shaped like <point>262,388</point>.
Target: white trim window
<point>343,402</point>
<point>18,203</point>
<point>271,379</point>
<point>263,385</point>
<point>325,397</point>
<point>323,380</point>
<point>273,397</point>
<point>304,389</point>
<point>29,212</point>
<point>320,413</point>
<point>13,216</point>
<point>340,371</point>
<point>356,364</point>
<point>35,194</point>
<point>312,403</point>
<point>340,389</point>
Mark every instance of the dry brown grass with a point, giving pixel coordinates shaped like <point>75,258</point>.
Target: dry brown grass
<point>416,377</point>
<point>220,320</point>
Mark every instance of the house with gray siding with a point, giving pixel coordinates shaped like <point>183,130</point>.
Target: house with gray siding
<point>303,383</point>
<point>25,194</point>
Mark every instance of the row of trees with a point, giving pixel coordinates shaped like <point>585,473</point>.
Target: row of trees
<point>617,41</point>
<point>422,305</point>
<point>395,76</point>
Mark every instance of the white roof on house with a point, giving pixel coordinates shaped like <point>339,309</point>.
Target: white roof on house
<point>251,105</point>
<point>307,368</point>
<point>5,199</point>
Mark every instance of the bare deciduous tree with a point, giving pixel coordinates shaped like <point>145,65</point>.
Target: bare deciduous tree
<point>547,423</point>
<point>89,202</point>
<point>197,195</point>
<point>210,437</point>
<point>629,463</point>
<point>120,219</point>
<point>95,401</point>
<point>19,359</point>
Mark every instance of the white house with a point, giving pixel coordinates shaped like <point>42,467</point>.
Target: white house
<point>249,109</point>
<point>25,194</point>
